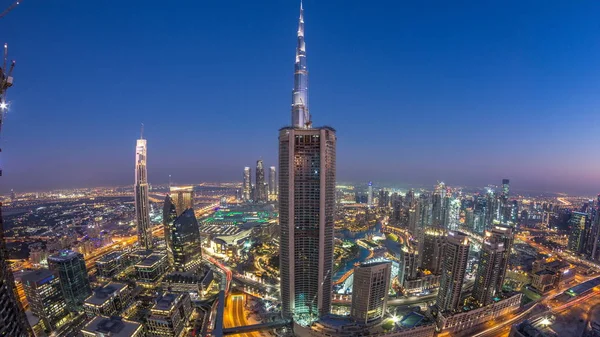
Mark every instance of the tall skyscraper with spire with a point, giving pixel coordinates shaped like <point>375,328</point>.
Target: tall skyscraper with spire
<point>306,203</point>
<point>300,113</point>
<point>142,204</point>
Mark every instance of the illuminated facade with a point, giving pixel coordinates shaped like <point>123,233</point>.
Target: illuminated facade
<point>13,321</point>
<point>109,300</point>
<point>247,185</point>
<point>73,275</point>
<point>431,243</point>
<point>577,229</point>
<point>45,298</point>
<point>493,262</point>
<point>169,216</point>
<point>370,292</point>
<point>151,269</point>
<point>184,242</point>
<point>169,315</point>
<point>273,184</point>
<point>182,197</point>
<point>306,204</point>
<point>142,203</point>
<point>454,267</point>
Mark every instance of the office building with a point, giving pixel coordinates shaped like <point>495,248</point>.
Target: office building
<point>109,300</point>
<point>169,216</point>
<point>73,275</point>
<point>169,315</point>
<point>576,231</point>
<point>111,264</point>
<point>45,298</point>
<point>142,203</point>
<point>306,205</point>
<point>112,326</point>
<point>151,269</point>
<point>454,267</point>
<point>247,185</point>
<point>182,197</point>
<point>184,242</point>
<point>273,183</point>
<point>493,262</point>
<point>261,191</point>
<point>370,292</point>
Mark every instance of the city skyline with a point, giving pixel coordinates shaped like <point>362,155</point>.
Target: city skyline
<point>467,104</point>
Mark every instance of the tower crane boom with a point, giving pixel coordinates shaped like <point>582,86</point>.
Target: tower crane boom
<point>10,8</point>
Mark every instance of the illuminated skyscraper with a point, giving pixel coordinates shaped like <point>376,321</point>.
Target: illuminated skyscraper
<point>273,183</point>
<point>169,216</point>
<point>306,205</point>
<point>247,185</point>
<point>184,241</point>
<point>454,267</point>
<point>370,291</point>
<point>370,194</point>
<point>142,204</point>
<point>73,275</point>
<point>261,192</point>
<point>45,297</point>
<point>431,245</point>
<point>183,198</point>
<point>493,262</point>
<point>577,226</point>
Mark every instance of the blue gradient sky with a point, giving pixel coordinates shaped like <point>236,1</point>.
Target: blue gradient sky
<point>468,92</point>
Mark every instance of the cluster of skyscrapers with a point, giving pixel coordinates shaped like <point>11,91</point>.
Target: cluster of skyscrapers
<point>260,191</point>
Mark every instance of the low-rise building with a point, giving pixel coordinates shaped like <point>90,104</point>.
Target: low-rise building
<point>536,328</point>
<point>462,323</point>
<point>111,264</point>
<point>151,269</point>
<point>109,300</point>
<point>112,326</point>
<point>169,315</point>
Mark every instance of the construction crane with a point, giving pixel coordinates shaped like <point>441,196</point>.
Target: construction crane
<point>10,8</point>
<point>6,81</point>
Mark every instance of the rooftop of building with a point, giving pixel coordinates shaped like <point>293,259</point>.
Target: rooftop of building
<point>412,320</point>
<point>189,277</point>
<point>374,263</point>
<point>65,255</point>
<point>544,272</point>
<point>152,260</point>
<point>39,276</point>
<point>112,326</point>
<point>102,295</point>
<point>583,287</point>
<point>111,256</point>
<point>289,127</point>
<point>166,301</point>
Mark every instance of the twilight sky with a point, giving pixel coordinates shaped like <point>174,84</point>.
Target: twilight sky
<point>468,92</point>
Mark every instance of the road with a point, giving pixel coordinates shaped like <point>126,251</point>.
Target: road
<point>235,315</point>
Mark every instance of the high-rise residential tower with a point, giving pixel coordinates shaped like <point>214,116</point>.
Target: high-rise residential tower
<point>261,193</point>
<point>495,253</point>
<point>370,291</point>
<point>142,203</point>
<point>183,198</point>
<point>306,205</point>
<point>273,183</point>
<point>454,267</point>
<point>247,185</point>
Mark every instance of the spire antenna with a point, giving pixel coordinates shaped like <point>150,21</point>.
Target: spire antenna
<point>300,111</point>
<point>142,132</point>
